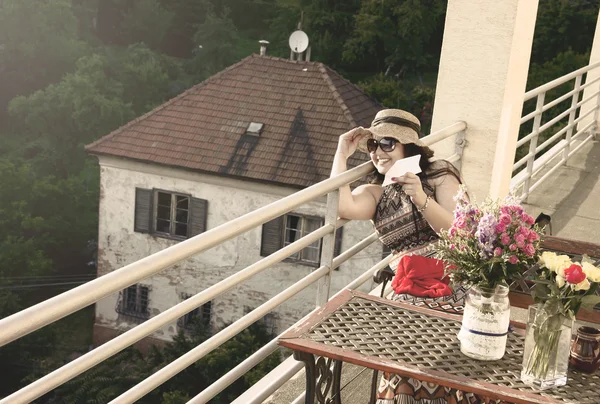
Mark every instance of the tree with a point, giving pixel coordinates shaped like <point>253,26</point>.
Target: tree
<point>187,15</point>
<point>562,26</point>
<point>397,36</point>
<point>39,55</point>
<point>216,39</point>
<point>329,23</point>
<point>99,385</point>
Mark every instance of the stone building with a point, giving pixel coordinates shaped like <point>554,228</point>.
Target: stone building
<point>258,131</point>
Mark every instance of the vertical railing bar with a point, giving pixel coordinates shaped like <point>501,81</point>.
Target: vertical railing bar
<point>533,142</point>
<point>596,113</point>
<point>574,102</point>
<point>328,247</point>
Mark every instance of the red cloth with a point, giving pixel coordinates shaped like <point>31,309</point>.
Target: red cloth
<point>421,276</point>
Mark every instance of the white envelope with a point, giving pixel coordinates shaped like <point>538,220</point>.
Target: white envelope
<point>401,167</point>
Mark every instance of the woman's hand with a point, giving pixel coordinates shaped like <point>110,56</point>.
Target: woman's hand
<point>411,185</point>
<point>348,142</point>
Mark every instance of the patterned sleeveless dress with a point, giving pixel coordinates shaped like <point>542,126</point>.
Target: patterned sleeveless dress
<point>405,231</point>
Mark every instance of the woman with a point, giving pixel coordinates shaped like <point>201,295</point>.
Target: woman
<point>407,215</point>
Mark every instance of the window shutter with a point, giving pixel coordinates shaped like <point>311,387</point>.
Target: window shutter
<point>337,249</point>
<point>198,212</point>
<point>143,210</point>
<point>272,237</point>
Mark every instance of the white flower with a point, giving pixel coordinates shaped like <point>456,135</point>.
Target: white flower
<point>560,281</point>
<point>592,272</point>
<point>583,285</point>
<point>555,263</point>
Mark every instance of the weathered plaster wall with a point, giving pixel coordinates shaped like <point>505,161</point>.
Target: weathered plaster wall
<point>228,198</point>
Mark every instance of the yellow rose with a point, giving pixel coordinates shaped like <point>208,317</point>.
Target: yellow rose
<point>583,285</point>
<point>560,281</point>
<point>592,272</point>
<point>555,263</point>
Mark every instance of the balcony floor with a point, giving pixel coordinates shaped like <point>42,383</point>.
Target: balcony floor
<point>572,196</point>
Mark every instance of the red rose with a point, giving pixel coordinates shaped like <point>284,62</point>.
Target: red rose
<point>574,274</point>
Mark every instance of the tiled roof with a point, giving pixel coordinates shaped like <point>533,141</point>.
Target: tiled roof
<point>304,107</point>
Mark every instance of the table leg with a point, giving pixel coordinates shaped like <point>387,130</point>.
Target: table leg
<point>373,387</point>
<point>322,382</point>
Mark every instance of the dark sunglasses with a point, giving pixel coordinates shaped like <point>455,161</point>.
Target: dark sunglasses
<point>387,144</point>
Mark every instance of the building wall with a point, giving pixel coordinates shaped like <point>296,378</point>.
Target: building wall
<point>119,245</point>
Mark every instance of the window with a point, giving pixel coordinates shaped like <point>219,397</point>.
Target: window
<point>286,229</point>
<point>254,129</point>
<point>172,213</point>
<point>169,214</point>
<point>199,315</point>
<point>269,321</point>
<point>297,227</point>
<point>133,302</point>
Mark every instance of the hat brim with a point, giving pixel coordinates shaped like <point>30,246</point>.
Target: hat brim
<point>403,135</point>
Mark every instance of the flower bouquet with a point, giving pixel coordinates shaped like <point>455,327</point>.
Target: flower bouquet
<point>561,288</point>
<point>487,247</point>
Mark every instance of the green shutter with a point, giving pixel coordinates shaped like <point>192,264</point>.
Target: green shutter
<point>272,237</point>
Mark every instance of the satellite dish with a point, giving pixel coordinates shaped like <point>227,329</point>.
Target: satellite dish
<point>298,41</point>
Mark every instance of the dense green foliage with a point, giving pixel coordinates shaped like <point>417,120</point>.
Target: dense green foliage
<point>72,71</point>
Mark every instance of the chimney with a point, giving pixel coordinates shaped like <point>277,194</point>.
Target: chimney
<point>263,47</point>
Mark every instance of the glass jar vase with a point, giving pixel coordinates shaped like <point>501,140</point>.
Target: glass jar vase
<point>485,323</point>
<point>547,347</point>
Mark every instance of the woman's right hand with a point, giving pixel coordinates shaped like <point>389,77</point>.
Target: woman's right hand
<point>348,142</point>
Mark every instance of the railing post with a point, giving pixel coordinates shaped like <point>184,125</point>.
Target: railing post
<point>537,120</point>
<point>327,251</point>
<point>594,128</point>
<point>574,102</point>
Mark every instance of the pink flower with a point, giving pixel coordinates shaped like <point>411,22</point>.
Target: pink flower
<point>512,247</point>
<point>527,218</point>
<point>513,259</point>
<point>452,232</point>
<point>524,231</point>
<point>498,252</point>
<point>500,228</point>
<point>505,239</point>
<point>533,236</point>
<point>452,247</point>
<point>520,240</point>
<point>504,218</point>
<point>530,250</point>
<point>460,222</point>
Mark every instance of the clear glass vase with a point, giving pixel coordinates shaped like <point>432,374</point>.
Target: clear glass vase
<point>547,348</point>
<point>485,323</point>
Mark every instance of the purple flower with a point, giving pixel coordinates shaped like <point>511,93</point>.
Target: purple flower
<point>486,235</point>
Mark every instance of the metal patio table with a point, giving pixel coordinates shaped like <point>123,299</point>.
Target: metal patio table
<point>413,341</point>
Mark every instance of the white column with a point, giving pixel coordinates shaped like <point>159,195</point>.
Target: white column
<point>592,75</point>
<point>482,77</point>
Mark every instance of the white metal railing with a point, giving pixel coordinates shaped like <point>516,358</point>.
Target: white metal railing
<point>563,141</point>
<point>51,310</point>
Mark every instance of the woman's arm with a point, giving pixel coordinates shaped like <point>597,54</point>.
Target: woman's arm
<point>438,214</point>
<point>361,203</point>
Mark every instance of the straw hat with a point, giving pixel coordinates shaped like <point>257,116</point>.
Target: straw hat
<point>396,123</point>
